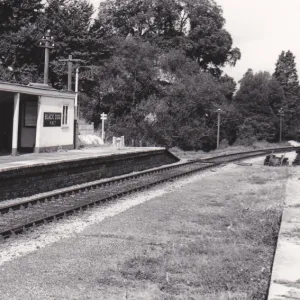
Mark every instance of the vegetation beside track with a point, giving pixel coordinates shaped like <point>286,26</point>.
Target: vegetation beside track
<point>210,241</point>
<point>188,155</point>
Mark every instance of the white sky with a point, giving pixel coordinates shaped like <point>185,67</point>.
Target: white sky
<point>261,29</point>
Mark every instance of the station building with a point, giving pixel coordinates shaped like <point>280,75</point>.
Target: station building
<point>35,118</point>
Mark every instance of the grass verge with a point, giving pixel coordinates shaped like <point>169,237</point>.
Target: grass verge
<point>212,239</point>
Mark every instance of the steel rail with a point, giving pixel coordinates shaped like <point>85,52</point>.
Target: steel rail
<point>205,164</point>
<point>48,196</point>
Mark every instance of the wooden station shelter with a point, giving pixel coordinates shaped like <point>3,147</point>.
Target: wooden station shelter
<point>35,118</point>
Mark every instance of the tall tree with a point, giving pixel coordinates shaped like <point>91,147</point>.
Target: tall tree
<point>197,27</point>
<point>124,80</point>
<point>15,14</point>
<point>69,22</point>
<point>179,111</point>
<point>17,23</point>
<point>228,86</point>
<point>286,74</point>
<point>258,100</point>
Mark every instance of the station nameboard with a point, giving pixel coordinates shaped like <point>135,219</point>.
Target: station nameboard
<point>52,119</point>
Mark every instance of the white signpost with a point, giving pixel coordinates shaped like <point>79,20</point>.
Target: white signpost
<point>103,118</point>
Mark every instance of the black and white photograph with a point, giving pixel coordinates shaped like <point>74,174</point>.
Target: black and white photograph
<point>149,150</point>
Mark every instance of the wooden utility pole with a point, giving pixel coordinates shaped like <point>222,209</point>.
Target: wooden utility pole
<point>70,61</point>
<point>218,133</point>
<point>47,43</point>
<point>218,111</point>
<point>281,115</point>
<point>76,104</point>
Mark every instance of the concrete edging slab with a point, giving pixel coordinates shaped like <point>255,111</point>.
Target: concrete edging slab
<point>285,279</point>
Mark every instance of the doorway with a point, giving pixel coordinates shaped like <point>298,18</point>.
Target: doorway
<point>27,123</point>
<point>6,122</point>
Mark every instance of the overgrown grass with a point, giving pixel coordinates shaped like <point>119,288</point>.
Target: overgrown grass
<point>213,241</point>
<point>230,255</point>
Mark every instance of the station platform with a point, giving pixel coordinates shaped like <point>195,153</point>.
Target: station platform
<point>9,162</point>
<point>30,174</point>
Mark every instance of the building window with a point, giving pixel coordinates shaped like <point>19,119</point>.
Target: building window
<point>65,115</point>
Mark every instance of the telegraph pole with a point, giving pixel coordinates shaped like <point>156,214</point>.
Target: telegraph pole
<point>47,43</point>
<point>76,103</point>
<point>281,115</point>
<point>218,111</point>
<point>70,61</point>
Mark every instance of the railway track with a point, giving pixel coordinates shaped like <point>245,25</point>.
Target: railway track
<point>17,217</point>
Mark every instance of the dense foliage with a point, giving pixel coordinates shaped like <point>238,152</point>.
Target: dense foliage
<point>157,69</point>
<point>261,97</point>
<point>286,74</point>
<point>193,26</point>
<point>258,100</point>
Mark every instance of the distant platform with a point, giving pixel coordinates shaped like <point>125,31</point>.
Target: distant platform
<point>9,162</point>
<point>31,174</point>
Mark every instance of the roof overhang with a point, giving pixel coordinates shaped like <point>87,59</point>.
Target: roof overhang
<point>38,91</point>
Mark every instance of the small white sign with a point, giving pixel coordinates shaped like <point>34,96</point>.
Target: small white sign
<point>103,116</point>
